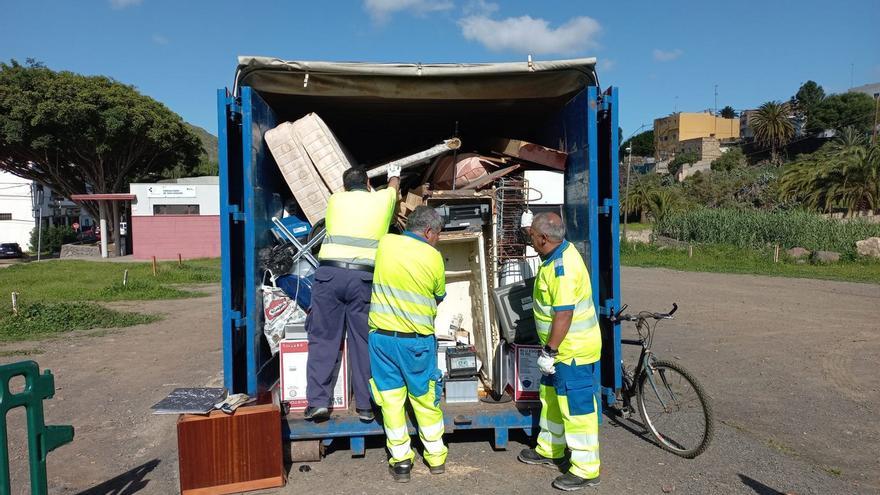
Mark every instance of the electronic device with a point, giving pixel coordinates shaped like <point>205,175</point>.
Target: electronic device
<point>464,217</point>
<point>461,361</point>
<point>514,309</point>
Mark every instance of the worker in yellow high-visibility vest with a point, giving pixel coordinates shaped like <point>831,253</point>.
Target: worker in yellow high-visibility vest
<point>567,326</point>
<point>409,282</point>
<point>356,220</point>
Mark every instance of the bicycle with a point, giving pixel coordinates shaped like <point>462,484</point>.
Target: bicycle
<point>671,402</point>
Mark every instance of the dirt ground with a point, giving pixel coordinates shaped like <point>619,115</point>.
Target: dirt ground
<point>787,361</point>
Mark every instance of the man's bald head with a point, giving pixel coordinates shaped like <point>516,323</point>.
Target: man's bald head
<point>550,225</point>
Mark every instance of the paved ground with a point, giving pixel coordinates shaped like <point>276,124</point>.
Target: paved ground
<point>788,362</point>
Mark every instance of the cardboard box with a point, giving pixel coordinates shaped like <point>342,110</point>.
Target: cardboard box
<point>294,356</point>
<point>525,376</point>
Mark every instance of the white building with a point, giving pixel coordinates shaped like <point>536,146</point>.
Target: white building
<point>16,209</point>
<point>19,211</point>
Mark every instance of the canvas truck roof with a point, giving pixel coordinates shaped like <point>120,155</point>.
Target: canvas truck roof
<point>415,81</point>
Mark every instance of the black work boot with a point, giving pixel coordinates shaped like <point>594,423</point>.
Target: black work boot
<point>365,415</point>
<point>400,471</point>
<point>316,413</point>
<point>530,456</point>
<point>437,469</point>
<point>570,482</point>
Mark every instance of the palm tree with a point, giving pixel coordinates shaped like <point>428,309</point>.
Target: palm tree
<point>844,173</point>
<point>772,126</point>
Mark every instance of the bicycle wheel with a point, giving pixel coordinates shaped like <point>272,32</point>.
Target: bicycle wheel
<point>675,409</point>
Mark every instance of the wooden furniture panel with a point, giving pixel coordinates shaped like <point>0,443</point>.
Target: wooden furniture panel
<point>221,453</point>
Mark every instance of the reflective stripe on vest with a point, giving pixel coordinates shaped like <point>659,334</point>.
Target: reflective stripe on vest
<point>409,274</point>
<point>355,222</point>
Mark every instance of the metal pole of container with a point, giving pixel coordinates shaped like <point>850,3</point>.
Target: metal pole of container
<point>626,193</point>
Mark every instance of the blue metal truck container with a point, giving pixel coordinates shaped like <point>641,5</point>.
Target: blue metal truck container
<point>382,111</point>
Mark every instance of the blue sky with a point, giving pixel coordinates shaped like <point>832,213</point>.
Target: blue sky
<point>662,55</point>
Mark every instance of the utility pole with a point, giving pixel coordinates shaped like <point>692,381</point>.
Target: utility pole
<point>715,119</point>
<point>628,169</point>
<point>852,69</point>
<point>37,199</point>
<point>876,111</point>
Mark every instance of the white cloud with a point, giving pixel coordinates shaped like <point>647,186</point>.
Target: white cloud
<point>480,7</point>
<point>667,55</point>
<point>160,40</point>
<point>381,10</point>
<point>526,34</point>
<point>121,4</point>
<point>607,64</point>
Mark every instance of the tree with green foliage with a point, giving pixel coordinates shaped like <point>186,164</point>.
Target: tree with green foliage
<point>730,160</point>
<point>807,99</point>
<point>727,112</point>
<point>842,174</point>
<point>637,201</point>
<point>51,238</point>
<point>681,160</point>
<point>843,110</point>
<point>79,133</point>
<point>772,126</point>
<point>642,144</point>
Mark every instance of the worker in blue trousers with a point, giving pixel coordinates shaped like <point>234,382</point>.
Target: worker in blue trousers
<point>355,221</point>
<point>569,330</point>
<point>409,282</point>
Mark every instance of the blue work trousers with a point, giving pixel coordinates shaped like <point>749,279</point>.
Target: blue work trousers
<point>340,302</point>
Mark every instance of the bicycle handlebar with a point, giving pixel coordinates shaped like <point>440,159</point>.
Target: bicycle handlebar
<point>617,317</point>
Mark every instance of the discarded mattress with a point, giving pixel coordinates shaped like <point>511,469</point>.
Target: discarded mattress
<point>325,151</point>
<point>300,174</point>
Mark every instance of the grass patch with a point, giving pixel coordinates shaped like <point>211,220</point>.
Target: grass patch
<point>21,352</point>
<point>638,226</point>
<point>833,472</point>
<point>39,320</point>
<point>773,444</point>
<point>143,290</point>
<point>730,259</point>
<point>74,280</point>
<point>58,295</point>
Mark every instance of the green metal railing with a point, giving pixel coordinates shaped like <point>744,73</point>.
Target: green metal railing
<point>42,439</point>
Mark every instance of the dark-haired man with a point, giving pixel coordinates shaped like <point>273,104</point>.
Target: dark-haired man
<point>355,221</point>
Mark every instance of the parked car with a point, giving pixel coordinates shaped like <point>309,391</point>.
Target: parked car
<point>10,250</point>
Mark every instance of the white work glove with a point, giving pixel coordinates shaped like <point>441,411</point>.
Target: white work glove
<point>526,219</point>
<point>393,171</point>
<point>546,362</point>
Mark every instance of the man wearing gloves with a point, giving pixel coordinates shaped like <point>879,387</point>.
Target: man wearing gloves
<point>356,220</point>
<point>409,282</point>
<point>567,326</point>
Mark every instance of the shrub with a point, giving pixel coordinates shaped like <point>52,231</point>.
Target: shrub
<point>53,237</point>
<point>681,160</point>
<point>756,229</point>
<point>731,160</point>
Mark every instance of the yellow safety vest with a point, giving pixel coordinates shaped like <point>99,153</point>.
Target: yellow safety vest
<point>563,283</point>
<point>408,282</point>
<point>355,222</point>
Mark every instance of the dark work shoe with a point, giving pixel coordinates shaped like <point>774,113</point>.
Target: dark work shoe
<point>365,415</point>
<point>570,482</point>
<point>530,456</point>
<point>316,413</point>
<point>400,471</point>
<point>437,469</point>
